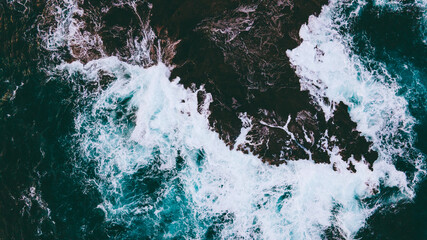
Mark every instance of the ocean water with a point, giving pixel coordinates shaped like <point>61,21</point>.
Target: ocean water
<point>111,148</point>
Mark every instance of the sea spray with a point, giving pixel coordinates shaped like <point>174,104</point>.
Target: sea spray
<point>328,68</point>
<point>142,142</point>
<point>161,170</point>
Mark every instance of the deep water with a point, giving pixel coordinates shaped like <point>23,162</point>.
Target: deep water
<point>395,35</point>
<point>114,149</point>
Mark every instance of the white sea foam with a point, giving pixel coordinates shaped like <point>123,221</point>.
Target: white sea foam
<point>32,197</point>
<point>246,127</point>
<point>142,123</point>
<point>328,68</point>
<point>61,28</point>
<point>266,202</point>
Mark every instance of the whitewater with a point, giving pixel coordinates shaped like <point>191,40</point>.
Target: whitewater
<point>161,171</point>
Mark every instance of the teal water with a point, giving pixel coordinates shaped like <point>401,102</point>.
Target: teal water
<point>396,35</point>
<point>110,150</point>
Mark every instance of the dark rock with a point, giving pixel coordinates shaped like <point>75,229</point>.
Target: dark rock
<point>236,50</point>
<point>350,141</point>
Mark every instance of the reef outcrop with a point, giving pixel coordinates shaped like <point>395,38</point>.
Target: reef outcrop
<point>237,51</point>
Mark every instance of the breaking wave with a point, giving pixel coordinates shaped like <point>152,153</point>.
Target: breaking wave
<point>143,141</point>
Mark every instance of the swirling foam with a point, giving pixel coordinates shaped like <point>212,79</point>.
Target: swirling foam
<point>143,125</point>
<point>162,172</point>
<point>328,68</point>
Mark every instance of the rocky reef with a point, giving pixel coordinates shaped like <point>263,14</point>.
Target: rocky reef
<point>235,51</point>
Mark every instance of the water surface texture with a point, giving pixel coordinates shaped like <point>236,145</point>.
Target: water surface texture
<point>133,119</point>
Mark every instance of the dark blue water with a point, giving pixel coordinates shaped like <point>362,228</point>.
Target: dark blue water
<point>395,36</point>
<point>54,186</point>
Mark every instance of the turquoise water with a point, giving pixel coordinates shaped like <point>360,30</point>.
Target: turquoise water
<point>113,150</point>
